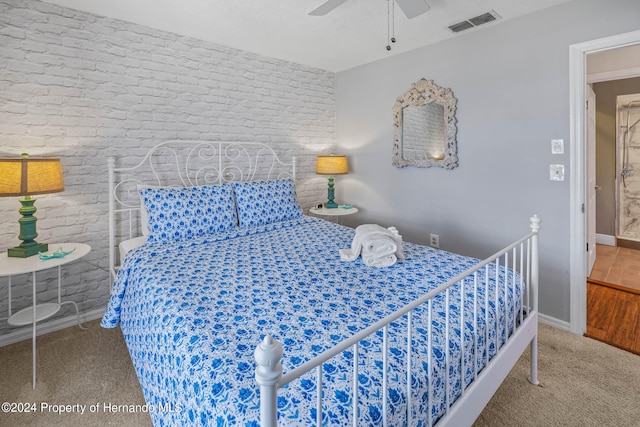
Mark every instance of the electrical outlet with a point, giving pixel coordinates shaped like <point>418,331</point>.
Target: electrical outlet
<point>434,241</point>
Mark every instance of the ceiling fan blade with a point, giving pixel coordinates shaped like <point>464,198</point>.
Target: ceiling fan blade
<point>326,7</point>
<point>413,8</point>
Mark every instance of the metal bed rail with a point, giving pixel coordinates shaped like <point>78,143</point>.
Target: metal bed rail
<point>519,262</point>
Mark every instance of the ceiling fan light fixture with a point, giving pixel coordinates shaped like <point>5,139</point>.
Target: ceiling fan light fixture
<point>411,9</point>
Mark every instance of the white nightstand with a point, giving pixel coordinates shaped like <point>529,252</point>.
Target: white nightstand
<point>11,266</point>
<point>337,213</point>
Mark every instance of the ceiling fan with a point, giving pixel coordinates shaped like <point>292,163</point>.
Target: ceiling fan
<point>411,8</point>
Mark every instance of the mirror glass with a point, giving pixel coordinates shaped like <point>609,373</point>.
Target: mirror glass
<point>423,132</point>
<point>424,127</point>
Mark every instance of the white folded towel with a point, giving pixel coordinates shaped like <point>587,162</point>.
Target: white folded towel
<point>379,261</point>
<point>379,246</point>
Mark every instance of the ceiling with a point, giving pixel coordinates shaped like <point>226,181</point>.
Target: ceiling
<point>351,35</point>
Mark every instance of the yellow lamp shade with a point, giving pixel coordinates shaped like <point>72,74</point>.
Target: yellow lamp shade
<point>25,176</point>
<point>332,164</point>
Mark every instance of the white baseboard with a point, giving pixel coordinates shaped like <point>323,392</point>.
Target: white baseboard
<point>46,327</point>
<point>560,324</point>
<point>605,239</point>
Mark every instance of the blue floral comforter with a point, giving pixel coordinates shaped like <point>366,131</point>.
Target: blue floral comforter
<point>193,313</point>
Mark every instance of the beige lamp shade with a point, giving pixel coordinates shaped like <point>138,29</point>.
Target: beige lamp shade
<point>26,177</point>
<point>332,164</point>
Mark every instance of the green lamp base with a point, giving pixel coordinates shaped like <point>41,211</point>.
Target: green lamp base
<point>28,247</point>
<point>331,204</point>
<point>27,251</point>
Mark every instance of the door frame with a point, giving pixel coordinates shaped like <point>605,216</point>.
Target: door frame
<point>578,166</point>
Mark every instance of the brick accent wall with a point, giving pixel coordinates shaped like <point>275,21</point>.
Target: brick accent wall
<point>83,87</point>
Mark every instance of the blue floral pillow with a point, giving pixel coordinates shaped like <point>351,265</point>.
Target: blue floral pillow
<point>264,202</point>
<point>189,212</point>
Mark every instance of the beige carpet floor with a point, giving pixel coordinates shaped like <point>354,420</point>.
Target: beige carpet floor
<point>583,383</point>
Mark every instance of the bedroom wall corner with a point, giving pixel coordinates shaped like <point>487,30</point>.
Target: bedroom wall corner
<point>83,87</point>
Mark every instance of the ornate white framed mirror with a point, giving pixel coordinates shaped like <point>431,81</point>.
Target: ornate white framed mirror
<point>425,127</point>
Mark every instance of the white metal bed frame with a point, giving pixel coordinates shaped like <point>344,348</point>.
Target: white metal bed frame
<point>463,411</point>
<point>201,162</point>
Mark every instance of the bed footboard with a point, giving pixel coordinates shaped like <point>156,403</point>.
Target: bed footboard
<point>516,328</point>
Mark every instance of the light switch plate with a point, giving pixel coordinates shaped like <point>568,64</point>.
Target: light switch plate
<point>557,146</point>
<point>556,172</point>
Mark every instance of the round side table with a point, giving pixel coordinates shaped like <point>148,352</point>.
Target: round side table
<point>12,266</point>
<point>336,213</point>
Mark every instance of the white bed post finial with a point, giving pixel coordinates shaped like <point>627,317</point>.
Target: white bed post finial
<point>535,228</point>
<point>535,223</point>
<point>269,371</point>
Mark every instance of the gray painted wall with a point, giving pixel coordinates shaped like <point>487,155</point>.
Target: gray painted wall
<point>84,87</point>
<point>606,93</point>
<point>512,85</point>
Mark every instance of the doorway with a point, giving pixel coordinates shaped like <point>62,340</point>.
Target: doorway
<point>578,172</point>
<point>613,283</point>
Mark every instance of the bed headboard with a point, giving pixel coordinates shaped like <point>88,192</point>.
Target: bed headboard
<point>184,164</point>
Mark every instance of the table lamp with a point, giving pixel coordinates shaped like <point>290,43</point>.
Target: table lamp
<point>26,177</point>
<point>332,164</point>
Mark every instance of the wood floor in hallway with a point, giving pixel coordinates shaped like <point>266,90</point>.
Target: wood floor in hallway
<point>613,298</point>
<point>618,266</point>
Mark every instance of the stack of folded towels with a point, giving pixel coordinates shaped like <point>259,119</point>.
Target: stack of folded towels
<point>378,246</point>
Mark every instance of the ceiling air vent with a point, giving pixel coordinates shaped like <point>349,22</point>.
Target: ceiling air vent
<point>474,22</point>
<point>461,26</point>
